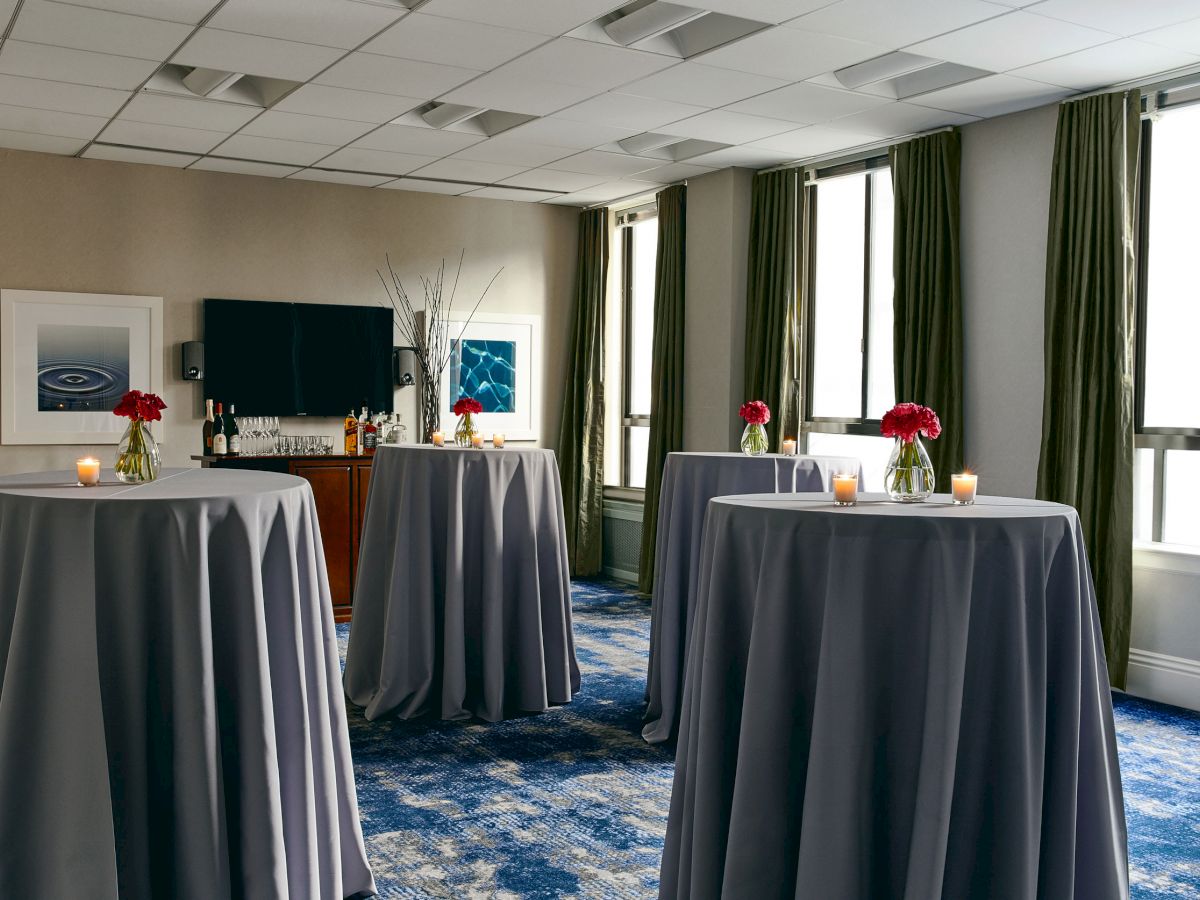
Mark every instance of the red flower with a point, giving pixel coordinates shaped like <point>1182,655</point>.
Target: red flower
<point>464,405</point>
<point>137,406</point>
<point>906,420</point>
<point>755,412</point>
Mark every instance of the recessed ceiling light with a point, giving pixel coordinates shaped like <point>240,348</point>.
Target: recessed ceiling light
<point>443,115</point>
<point>209,82</point>
<point>640,143</point>
<point>671,29</point>
<point>651,20</point>
<point>901,75</point>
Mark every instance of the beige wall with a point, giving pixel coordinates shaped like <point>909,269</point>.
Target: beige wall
<point>103,227</point>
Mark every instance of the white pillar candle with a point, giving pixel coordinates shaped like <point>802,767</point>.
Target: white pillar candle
<point>789,447</point>
<point>964,486</point>
<point>845,490</point>
<point>438,439</point>
<point>87,471</point>
<point>497,440</point>
<point>477,441</point>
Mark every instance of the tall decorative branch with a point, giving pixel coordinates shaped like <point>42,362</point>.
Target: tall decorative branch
<point>427,331</point>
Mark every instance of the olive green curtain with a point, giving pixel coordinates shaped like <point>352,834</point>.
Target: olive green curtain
<point>927,298</point>
<point>772,330</point>
<point>581,438</point>
<point>666,368</point>
<point>1087,407</point>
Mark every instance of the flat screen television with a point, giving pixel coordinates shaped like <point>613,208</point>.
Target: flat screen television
<point>297,359</point>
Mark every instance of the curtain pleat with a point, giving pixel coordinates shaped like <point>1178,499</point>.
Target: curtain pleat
<point>666,369</point>
<point>772,332</point>
<point>927,298</point>
<point>581,437</point>
<point>1087,408</point>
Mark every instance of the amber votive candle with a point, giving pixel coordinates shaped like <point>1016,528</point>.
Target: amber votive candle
<point>87,471</point>
<point>845,490</point>
<point>964,487</point>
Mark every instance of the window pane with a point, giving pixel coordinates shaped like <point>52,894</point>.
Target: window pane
<point>1173,273</point>
<point>639,450</point>
<point>1143,494</point>
<point>838,298</point>
<point>881,381</point>
<point>1181,498</point>
<point>641,315</point>
<point>614,348</point>
<point>872,451</point>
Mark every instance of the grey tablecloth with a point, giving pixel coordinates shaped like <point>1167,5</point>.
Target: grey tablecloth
<point>690,480</point>
<point>462,605</point>
<point>907,702</point>
<point>170,719</point>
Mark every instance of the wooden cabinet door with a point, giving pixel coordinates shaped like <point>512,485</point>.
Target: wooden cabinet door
<point>362,476</point>
<point>333,489</point>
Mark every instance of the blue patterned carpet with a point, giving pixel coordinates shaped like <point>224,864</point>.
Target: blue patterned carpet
<point>573,803</point>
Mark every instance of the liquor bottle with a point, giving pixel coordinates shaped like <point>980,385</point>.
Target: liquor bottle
<point>208,428</point>
<point>351,431</point>
<point>233,435</point>
<point>220,441</point>
<point>361,432</point>
<point>370,435</point>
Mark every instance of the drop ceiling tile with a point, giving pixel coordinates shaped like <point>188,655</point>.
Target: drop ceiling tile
<point>563,133</point>
<point>332,23</point>
<point>457,169</point>
<point>601,162</point>
<point>896,119</point>
<point>695,83</point>
<point>627,111</point>
<point>512,152</point>
<point>60,25</point>
<point>729,127</point>
<point>295,153</point>
<point>597,66</point>
<point>356,159</point>
<point>76,66</point>
<point>992,96</point>
<point>426,186</point>
<point>542,16</point>
<point>389,75</point>
<point>161,137</point>
<point>453,42</point>
<point>163,109</point>
<point>1122,17</point>
<point>1185,36</point>
<point>501,90</point>
<point>550,180</point>
<point>812,141</point>
<point>187,12</point>
<point>343,103</point>
<point>742,157</point>
<point>134,155</point>
<point>1010,41</point>
<point>773,11</point>
<point>421,141</point>
<point>807,104</point>
<point>47,122</point>
<point>791,54</point>
<point>313,129</point>
<point>896,23</point>
<point>242,167</point>
<point>1122,60</point>
<point>40,143</point>
<point>359,179</point>
<point>251,54</point>
<point>672,172</point>
<point>56,95</point>
<point>518,194</point>
<point>605,193</point>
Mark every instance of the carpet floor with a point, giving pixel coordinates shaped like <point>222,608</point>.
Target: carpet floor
<point>573,803</point>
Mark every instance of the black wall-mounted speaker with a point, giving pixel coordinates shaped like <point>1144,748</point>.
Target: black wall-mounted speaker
<point>193,361</point>
<point>404,366</point>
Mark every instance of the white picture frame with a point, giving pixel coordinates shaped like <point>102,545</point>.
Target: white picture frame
<point>524,332</point>
<point>107,343</point>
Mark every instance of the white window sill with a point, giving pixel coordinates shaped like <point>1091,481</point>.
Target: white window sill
<point>1183,559</point>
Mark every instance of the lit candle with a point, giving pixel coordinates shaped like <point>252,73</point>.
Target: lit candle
<point>845,490</point>
<point>438,439</point>
<point>789,447</point>
<point>477,441</point>
<point>497,440</point>
<point>87,471</point>
<point>964,486</point>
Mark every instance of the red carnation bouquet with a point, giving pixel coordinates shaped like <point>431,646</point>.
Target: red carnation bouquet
<point>907,420</point>
<point>139,407</point>
<point>464,405</point>
<point>137,454</point>
<point>755,413</point>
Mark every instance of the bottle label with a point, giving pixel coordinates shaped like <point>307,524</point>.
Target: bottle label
<point>235,443</point>
<point>220,447</point>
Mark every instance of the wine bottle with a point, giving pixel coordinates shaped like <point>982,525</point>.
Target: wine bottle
<point>233,435</point>
<point>220,441</point>
<point>351,430</point>
<point>208,428</point>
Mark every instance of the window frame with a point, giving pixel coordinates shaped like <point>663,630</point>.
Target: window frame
<point>625,221</point>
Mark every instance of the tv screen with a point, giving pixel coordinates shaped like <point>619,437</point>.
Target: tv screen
<point>297,359</point>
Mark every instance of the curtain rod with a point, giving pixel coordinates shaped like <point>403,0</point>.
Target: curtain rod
<point>848,153</point>
<point>1159,82</point>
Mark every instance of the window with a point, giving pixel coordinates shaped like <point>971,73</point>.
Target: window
<point>849,382</point>
<point>630,333</point>
<point>1167,461</point>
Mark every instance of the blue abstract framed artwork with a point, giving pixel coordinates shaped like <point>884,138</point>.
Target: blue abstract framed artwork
<point>497,360</point>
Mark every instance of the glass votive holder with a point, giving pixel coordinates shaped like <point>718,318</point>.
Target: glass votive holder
<point>87,471</point>
<point>845,490</point>
<point>963,488</point>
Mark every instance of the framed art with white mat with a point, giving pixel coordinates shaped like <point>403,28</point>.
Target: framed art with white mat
<point>497,359</point>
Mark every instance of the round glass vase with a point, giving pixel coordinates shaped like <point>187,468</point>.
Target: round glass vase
<point>137,454</point>
<point>754,440</point>
<point>465,430</point>
<point>909,477</point>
